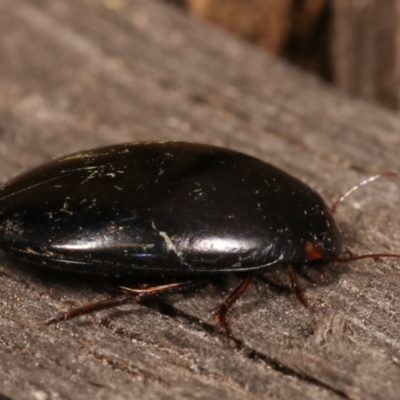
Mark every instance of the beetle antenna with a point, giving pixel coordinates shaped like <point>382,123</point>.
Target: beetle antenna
<point>363,256</point>
<point>353,189</point>
<point>362,183</point>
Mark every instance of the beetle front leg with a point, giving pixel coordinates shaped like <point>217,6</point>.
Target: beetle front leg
<point>222,310</point>
<point>296,288</point>
<point>128,296</point>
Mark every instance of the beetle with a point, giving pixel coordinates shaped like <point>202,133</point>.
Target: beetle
<point>169,209</point>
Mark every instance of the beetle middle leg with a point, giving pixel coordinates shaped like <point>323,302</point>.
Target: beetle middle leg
<point>222,310</point>
<point>128,296</point>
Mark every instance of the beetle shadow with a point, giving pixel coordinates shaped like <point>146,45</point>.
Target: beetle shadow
<point>45,278</point>
<point>95,287</point>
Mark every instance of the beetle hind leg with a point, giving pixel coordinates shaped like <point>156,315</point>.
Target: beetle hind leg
<point>128,296</point>
<point>222,310</point>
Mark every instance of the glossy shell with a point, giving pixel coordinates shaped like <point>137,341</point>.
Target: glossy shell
<point>163,207</point>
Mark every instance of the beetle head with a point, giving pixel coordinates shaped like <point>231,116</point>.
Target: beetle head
<point>313,251</point>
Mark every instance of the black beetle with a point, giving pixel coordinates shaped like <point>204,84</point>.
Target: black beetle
<point>164,209</point>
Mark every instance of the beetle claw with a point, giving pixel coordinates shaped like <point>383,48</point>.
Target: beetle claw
<point>219,315</point>
<point>54,321</point>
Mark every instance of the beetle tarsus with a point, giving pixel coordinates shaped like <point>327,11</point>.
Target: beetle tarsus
<point>89,308</point>
<point>221,311</point>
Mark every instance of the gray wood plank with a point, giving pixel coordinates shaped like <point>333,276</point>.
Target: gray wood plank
<point>75,75</point>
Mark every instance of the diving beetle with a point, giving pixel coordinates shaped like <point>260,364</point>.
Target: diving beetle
<point>170,209</point>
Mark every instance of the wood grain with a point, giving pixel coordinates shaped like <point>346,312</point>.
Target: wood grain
<point>77,74</point>
<point>365,48</point>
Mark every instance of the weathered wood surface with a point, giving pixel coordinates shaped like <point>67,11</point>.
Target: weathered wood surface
<point>76,74</point>
<point>365,49</point>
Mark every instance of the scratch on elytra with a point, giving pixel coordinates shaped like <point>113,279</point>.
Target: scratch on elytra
<point>90,176</point>
<point>168,242</point>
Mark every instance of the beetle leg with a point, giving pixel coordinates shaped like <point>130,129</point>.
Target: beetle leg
<point>152,289</point>
<point>128,296</point>
<point>222,310</point>
<point>297,290</point>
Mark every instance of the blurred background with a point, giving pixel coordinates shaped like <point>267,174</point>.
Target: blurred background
<point>351,43</point>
